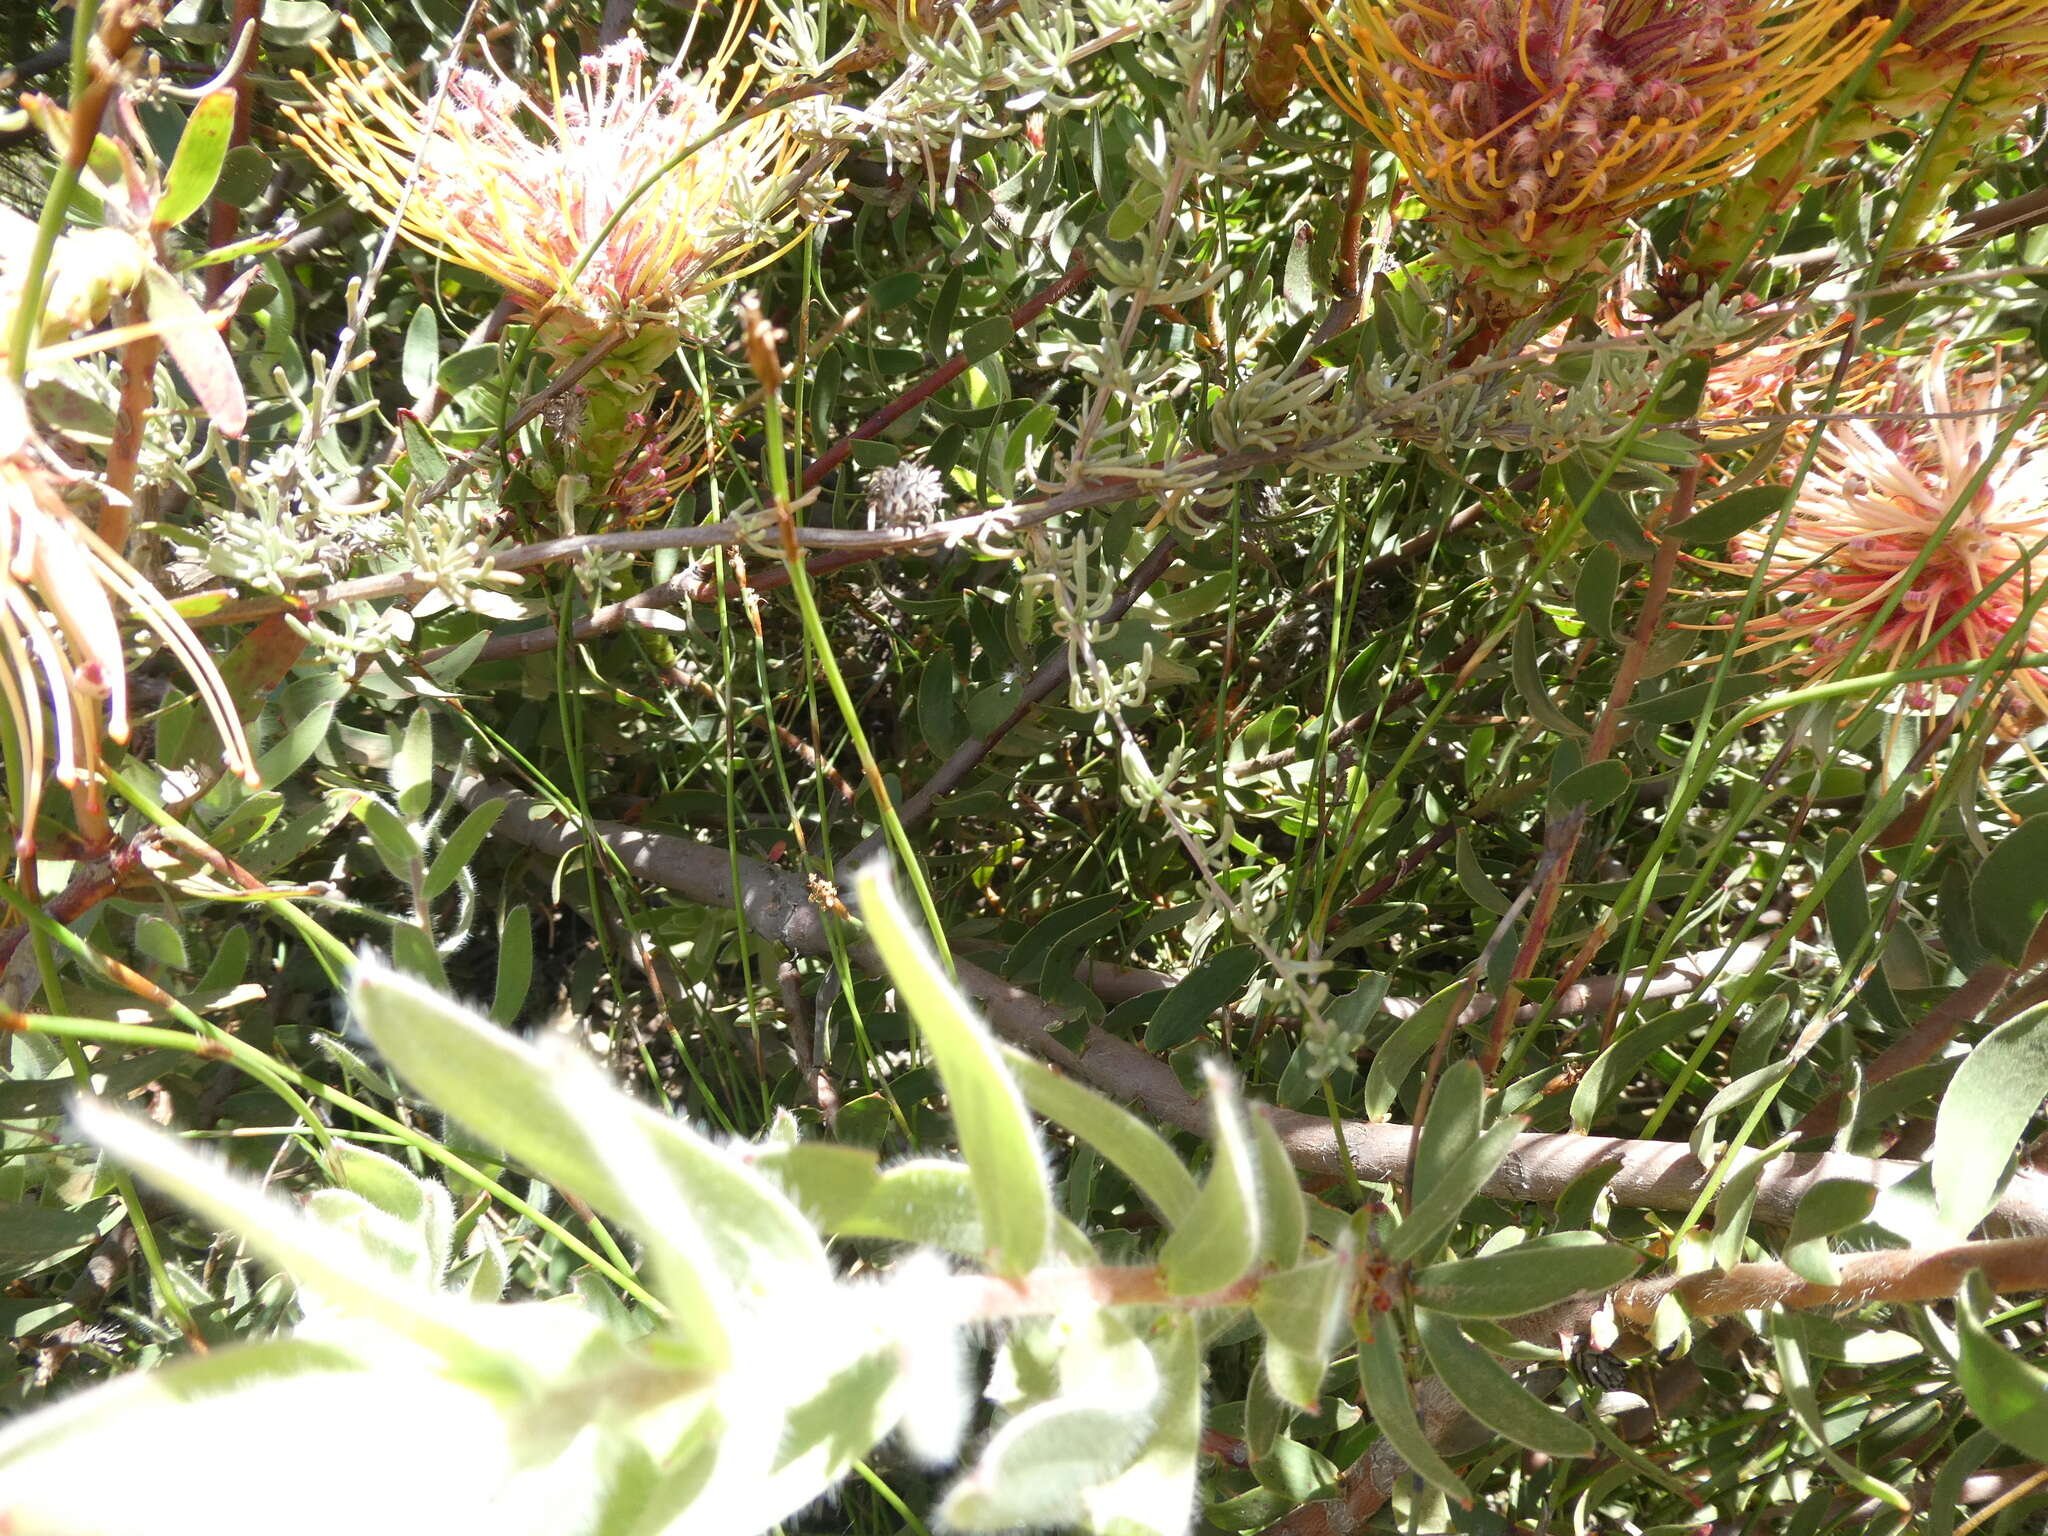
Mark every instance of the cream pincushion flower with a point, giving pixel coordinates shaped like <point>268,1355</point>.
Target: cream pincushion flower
<point>614,199</point>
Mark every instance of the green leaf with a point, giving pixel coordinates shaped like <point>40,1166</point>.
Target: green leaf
<point>396,843</point>
<point>1130,1146</point>
<point>1525,1278</point>
<point>928,1202</point>
<point>1038,1466</point>
<point>429,463</point>
<point>1283,1209</point>
<point>984,338</point>
<point>195,167</point>
<point>43,1232</point>
<point>1220,1241</point>
<point>1451,1123</point>
<point>1492,1396</point>
<point>1737,512</point>
<point>1736,1202</point>
<point>1152,1496</point>
<point>2009,896</point>
<point>418,359</point>
<point>412,765</point>
<point>1218,980</point>
<point>2008,1396</point>
<point>1592,788</point>
<point>1436,1210</point>
<point>1614,1068</point>
<point>989,1115</point>
<point>1393,1410</point>
<point>1828,1207</point>
<point>1737,1093</point>
<point>1302,1311</point>
<point>508,1093</point>
<point>1528,681</point>
<point>461,847</point>
<point>1593,595</point>
<point>1398,1054</point>
<point>515,964</point>
<point>1984,1113</point>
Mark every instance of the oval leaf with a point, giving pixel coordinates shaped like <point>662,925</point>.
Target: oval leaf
<point>1984,1113</point>
<point>2009,896</point>
<point>1525,1278</point>
<point>1492,1396</point>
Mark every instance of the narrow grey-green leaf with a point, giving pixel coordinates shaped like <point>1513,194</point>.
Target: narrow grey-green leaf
<point>1827,1208</point>
<point>1211,985</point>
<point>989,1115</point>
<point>1130,1146</point>
<point>1528,680</point>
<point>1398,1054</point>
<point>1984,1113</point>
<point>461,846</point>
<point>1283,1212</point>
<point>2009,1396</point>
<point>2009,896</point>
<point>1525,1278</point>
<point>1393,1409</point>
<point>1302,1311</point>
<point>1451,1123</point>
<point>1795,1375</point>
<point>1615,1067</point>
<point>1492,1396</point>
<point>1436,1210</point>
<point>1220,1240</point>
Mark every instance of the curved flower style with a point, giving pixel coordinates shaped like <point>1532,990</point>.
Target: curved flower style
<point>1535,128</point>
<point>611,202</point>
<point>59,641</point>
<point>1877,498</point>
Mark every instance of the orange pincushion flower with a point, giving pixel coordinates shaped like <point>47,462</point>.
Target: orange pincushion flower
<point>529,191</point>
<point>1876,499</point>
<point>1535,128</point>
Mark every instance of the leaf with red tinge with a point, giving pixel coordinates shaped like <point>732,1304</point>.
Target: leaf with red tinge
<point>197,348</point>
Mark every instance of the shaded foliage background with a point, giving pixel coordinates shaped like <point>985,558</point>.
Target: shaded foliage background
<point>1411,693</point>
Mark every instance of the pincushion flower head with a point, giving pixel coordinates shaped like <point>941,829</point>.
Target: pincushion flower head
<point>606,205</point>
<point>1997,50</point>
<point>1534,129</point>
<point>1901,514</point>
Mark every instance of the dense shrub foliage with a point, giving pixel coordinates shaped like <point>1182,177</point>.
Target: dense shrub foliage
<point>1118,765</point>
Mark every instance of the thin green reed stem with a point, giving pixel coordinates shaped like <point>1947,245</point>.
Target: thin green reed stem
<point>821,646</point>
<point>63,182</point>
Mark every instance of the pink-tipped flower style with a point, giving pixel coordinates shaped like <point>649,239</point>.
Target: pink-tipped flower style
<point>1534,129</point>
<point>1886,496</point>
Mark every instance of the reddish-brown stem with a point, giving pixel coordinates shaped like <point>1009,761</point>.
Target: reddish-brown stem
<point>224,219</point>
<point>131,416</point>
<point>1350,277</point>
<point>1633,659</point>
